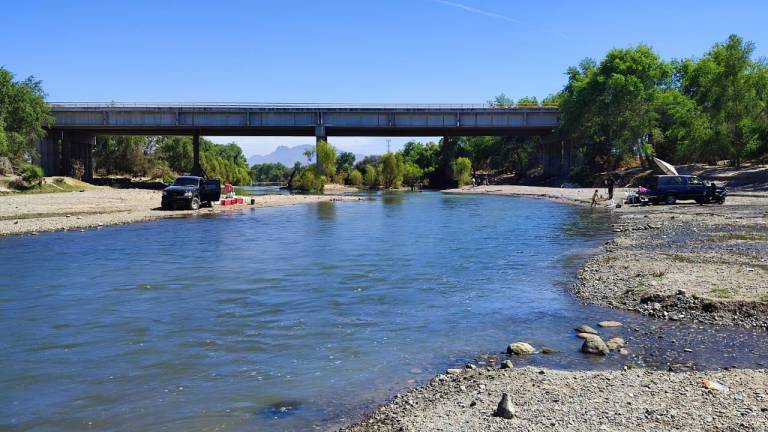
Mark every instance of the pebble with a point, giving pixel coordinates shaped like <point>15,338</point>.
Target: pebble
<point>505,408</point>
<point>506,364</point>
<point>610,324</point>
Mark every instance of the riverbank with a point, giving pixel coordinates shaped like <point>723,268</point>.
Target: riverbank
<point>683,262</point>
<point>544,400</point>
<point>102,206</point>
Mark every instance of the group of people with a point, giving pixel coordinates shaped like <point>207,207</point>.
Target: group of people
<point>609,183</point>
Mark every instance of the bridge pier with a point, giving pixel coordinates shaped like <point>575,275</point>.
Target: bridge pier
<point>197,169</point>
<point>320,135</point>
<point>61,152</point>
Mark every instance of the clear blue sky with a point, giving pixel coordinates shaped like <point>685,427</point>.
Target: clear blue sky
<point>425,51</point>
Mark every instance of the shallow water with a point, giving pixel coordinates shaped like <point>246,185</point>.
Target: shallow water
<point>302,317</point>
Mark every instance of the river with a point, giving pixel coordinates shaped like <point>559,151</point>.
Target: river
<point>301,317</point>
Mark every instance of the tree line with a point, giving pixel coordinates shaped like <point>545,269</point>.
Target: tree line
<point>164,157</point>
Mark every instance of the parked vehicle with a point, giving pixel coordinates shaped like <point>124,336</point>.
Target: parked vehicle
<point>191,192</point>
<point>669,189</point>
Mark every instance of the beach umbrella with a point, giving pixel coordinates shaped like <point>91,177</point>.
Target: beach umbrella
<point>665,167</point>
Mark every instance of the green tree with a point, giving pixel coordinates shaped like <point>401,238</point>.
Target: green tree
<point>176,151</point>
<point>23,115</point>
<point>269,172</point>
<point>371,177</point>
<point>412,174</point>
<point>609,108</point>
<point>326,159</point>
<point>462,171</point>
<point>345,161</point>
<point>355,178</point>
<point>725,83</point>
<point>391,170</point>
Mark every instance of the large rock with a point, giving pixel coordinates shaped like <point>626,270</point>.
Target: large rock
<point>520,348</point>
<point>610,324</point>
<point>505,408</point>
<point>594,345</point>
<point>585,329</point>
<point>506,364</point>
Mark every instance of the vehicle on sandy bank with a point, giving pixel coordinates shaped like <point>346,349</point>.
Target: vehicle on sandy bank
<point>191,192</point>
<point>669,189</point>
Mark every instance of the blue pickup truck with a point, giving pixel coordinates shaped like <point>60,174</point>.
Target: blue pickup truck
<point>669,189</point>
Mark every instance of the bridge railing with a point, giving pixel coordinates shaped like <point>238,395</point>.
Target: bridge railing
<point>262,105</point>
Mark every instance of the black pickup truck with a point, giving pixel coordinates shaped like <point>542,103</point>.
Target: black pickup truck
<point>669,189</point>
<point>191,192</point>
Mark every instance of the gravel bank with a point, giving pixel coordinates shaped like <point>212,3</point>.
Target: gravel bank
<point>101,206</point>
<point>545,400</point>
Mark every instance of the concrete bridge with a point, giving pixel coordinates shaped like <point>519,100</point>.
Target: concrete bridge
<point>76,125</point>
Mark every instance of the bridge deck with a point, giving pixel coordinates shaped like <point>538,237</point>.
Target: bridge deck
<point>303,119</point>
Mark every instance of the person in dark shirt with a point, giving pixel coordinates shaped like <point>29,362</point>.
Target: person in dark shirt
<point>609,183</point>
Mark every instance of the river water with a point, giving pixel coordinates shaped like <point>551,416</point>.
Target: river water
<point>302,317</point>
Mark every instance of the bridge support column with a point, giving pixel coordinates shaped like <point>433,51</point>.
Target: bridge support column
<point>320,135</point>
<point>197,169</point>
<point>551,155</point>
<point>77,155</point>
<point>49,152</point>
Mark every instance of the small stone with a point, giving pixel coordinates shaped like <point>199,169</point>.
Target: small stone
<point>506,364</point>
<point>453,371</point>
<point>548,350</point>
<point>504,409</point>
<point>682,292</point>
<point>615,343</point>
<point>470,366</point>
<point>585,329</point>
<point>594,345</point>
<point>624,351</point>
<point>520,348</point>
<point>610,324</point>
<point>687,350</point>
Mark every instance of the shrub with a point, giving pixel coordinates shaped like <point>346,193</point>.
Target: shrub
<point>355,178</point>
<point>308,180</point>
<point>371,177</point>
<point>31,174</point>
<point>462,171</point>
<point>78,170</point>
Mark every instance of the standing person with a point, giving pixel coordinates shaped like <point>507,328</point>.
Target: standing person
<point>609,183</point>
<point>594,199</point>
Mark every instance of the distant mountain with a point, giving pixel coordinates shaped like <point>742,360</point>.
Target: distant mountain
<point>289,155</point>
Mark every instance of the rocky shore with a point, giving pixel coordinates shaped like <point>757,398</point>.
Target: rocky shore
<point>546,400</point>
<point>101,206</point>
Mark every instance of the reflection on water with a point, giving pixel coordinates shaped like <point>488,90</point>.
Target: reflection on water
<point>300,317</point>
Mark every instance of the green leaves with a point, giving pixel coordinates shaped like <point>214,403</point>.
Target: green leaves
<point>23,116</point>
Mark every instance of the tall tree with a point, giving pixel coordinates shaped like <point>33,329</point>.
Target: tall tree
<point>23,116</point>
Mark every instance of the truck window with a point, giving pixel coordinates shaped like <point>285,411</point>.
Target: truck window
<point>695,181</point>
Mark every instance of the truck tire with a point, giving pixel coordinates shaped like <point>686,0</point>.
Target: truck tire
<point>194,204</point>
<point>670,199</point>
